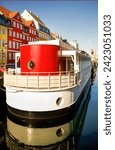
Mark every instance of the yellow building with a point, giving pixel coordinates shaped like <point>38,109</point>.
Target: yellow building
<point>3,44</point>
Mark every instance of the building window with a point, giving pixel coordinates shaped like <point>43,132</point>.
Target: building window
<point>4,31</point>
<point>20,44</point>
<point>13,44</point>
<point>32,25</point>
<point>14,24</point>
<point>21,26</point>
<point>23,37</point>
<point>10,44</point>
<point>30,30</point>
<point>35,32</point>
<point>0,42</point>
<point>3,43</point>
<point>17,45</point>
<point>30,38</point>
<point>14,34</point>
<point>17,25</point>
<point>18,17</point>
<point>10,56</point>
<point>10,32</point>
<point>20,36</point>
<point>17,35</point>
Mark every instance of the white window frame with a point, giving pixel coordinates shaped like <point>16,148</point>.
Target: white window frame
<point>14,34</point>
<point>14,44</point>
<point>20,35</point>
<point>23,37</point>
<point>14,23</point>
<point>17,35</point>
<point>10,44</point>
<point>30,30</point>
<point>4,31</point>
<point>18,25</point>
<point>17,45</point>
<point>10,32</point>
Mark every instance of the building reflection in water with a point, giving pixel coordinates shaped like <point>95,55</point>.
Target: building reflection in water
<point>50,134</point>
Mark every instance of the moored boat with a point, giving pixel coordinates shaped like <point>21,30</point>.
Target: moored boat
<point>47,78</point>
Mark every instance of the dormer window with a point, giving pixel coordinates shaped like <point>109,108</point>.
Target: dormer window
<point>18,17</point>
<point>14,23</point>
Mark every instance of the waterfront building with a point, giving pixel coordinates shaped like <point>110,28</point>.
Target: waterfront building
<point>5,23</point>
<point>43,30</point>
<point>29,31</point>
<point>63,42</point>
<point>20,32</point>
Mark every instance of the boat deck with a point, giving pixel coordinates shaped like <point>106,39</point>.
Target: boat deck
<point>41,81</point>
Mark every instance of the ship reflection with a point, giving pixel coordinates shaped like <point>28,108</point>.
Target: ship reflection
<point>62,133</point>
<point>2,118</point>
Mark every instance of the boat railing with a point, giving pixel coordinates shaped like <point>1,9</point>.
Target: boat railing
<point>41,80</point>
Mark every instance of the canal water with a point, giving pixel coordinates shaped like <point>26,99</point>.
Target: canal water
<point>77,130</point>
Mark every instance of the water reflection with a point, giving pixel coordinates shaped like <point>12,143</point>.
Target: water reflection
<point>2,118</point>
<point>62,133</point>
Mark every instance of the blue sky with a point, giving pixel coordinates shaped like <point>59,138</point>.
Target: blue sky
<point>73,20</point>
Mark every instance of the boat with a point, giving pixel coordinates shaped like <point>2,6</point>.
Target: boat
<point>47,79</point>
<point>64,132</point>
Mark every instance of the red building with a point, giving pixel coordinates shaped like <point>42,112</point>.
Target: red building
<point>20,32</point>
<point>29,31</point>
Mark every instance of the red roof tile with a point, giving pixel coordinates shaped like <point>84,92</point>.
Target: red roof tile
<point>27,22</point>
<point>7,12</point>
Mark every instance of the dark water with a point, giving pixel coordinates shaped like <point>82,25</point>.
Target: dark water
<point>78,130</point>
<point>89,136</point>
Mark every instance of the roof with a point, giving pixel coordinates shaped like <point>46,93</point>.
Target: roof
<point>27,23</point>
<point>54,35</point>
<point>36,18</point>
<point>7,12</point>
<point>12,14</point>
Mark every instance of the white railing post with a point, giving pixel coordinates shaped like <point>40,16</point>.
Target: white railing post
<point>59,80</point>
<point>16,80</point>
<point>27,79</point>
<point>38,80</point>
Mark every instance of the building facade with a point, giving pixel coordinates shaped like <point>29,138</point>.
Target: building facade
<point>43,30</point>
<point>5,23</point>
<point>19,32</point>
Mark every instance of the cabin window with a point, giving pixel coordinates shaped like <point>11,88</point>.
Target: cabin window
<point>30,64</point>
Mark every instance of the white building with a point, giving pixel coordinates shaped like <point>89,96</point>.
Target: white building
<point>43,30</point>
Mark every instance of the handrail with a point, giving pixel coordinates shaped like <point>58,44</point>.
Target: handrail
<point>41,80</point>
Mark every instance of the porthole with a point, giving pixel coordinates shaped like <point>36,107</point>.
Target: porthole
<point>60,101</point>
<point>60,132</point>
<point>30,65</point>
